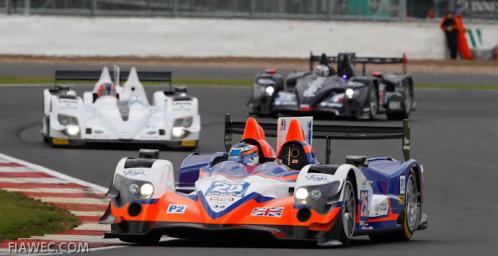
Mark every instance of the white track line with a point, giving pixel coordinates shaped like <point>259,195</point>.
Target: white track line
<point>92,239</point>
<point>54,173</point>
<point>66,200</point>
<point>93,226</point>
<point>77,200</point>
<point>34,180</point>
<point>87,213</point>
<point>49,190</point>
<point>14,169</point>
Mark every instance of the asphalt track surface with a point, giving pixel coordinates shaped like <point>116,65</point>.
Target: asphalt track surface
<point>454,135</point>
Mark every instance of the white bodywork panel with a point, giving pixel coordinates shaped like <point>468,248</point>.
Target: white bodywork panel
<point>161,175</point>
<point>374,206</point>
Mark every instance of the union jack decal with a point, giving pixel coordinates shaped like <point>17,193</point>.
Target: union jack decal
<point>268,211</point>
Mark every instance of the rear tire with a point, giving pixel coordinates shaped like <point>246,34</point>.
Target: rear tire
<point>407,105</point>
<point>150,239</point>
<point>410,218</point>
<point>46,136</point>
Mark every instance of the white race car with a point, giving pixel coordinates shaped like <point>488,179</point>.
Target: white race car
<point>112,113</point>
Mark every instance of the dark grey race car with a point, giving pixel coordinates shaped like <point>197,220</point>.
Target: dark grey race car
<point>343,93</point>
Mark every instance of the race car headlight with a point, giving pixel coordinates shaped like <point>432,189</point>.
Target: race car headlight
<point>349,93</point>
<point>301,193</point>
<point>178,132</point>
<point>270,90</point>
<point>66,119</point>
<point>134,189</point>
<point>316,194</point>
<point>72,130</point>
<point>146,190</point>
<point>183,122</point>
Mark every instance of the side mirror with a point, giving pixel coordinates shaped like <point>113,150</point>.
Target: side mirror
<point>148,153</point>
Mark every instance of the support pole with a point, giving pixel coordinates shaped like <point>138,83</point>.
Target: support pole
<point>329,9</point>
<point>8,7</point>
<point>94,7</point>
<point>228,132</point>
<point>252,8</point>
<point>27,7</point>
<point>328,150</point>
<point>402,10</point>
<point>406,140</point>
<point>175,8</point>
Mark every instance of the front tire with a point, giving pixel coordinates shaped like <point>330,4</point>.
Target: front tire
<point>346,223</point>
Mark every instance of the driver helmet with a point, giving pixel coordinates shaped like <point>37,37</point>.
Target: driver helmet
<point>244,153</point>
<point>106,89</point>
<point>321,70</point>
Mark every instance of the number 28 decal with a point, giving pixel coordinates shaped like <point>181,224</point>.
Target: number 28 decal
<point>219,188</point>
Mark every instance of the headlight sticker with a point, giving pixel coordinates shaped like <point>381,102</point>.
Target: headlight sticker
<point>402,184</point>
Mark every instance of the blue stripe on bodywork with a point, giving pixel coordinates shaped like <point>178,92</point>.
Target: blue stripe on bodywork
<point>146,201</point>
<point>254,196</point>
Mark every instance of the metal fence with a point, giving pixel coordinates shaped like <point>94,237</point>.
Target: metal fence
<point>286,9</point>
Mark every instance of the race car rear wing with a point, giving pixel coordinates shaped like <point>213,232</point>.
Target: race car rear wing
<point>80,75</point>
<point>330,132</point>
<point>362,60</point>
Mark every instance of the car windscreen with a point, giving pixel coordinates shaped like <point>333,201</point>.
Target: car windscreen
<point>271,169</point>
<point>229,168</point>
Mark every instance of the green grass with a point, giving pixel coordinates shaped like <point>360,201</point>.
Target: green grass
<point>455,86</point>
<point>239,82</point>
<point>26,80</point>
<point>21,216</point>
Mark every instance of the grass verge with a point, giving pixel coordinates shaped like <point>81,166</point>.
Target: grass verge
<point>455,86</point>
<point>240,82</point>
<point>21,216</point>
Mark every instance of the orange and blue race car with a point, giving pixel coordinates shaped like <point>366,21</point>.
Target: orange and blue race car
<point>252,191</point>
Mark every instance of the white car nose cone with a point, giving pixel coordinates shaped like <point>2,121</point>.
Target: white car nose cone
<point>73,130</point>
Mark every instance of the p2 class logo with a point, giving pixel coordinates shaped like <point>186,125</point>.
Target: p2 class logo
<point>176,209</point>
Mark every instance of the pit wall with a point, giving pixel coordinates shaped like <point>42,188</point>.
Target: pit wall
<point>190,37</point>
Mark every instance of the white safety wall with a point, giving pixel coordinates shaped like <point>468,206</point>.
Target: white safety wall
<point>174,37</point>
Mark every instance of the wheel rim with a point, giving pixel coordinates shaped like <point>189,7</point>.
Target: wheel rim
<point>411,203</point>
<point>348,210</point>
